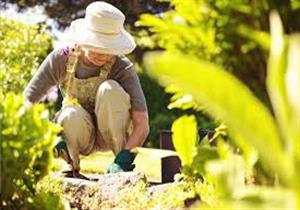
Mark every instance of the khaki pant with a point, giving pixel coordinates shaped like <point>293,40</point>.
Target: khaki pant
<point>106,129</point>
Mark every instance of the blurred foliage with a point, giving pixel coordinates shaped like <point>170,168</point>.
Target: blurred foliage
<point>185,130</point>
<point>233,35</point>
<point>273,139</point>
<point>22,48</point>
<point>63,12</point>
<point>225,32</point>
<point>161,118</point>
<point>26,133</point>
<point>26,150</point>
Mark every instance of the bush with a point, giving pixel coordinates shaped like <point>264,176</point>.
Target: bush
<point>161,118</point>
<point>26,149</point>
<point>224,32</point>
<point>22,48</point>
<point>26,133</point>
<point>257,134</point>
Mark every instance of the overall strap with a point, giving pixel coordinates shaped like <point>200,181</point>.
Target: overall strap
<point>104,73</point>
<point>71,67</point>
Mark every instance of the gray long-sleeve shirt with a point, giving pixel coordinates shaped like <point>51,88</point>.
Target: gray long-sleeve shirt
<point>53,71</point>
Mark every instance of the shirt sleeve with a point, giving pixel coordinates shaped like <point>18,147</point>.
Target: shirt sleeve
<point>50,73</point>
<point>128,79</point>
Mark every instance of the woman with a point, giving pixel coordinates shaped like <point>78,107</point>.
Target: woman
<point>104,107</point>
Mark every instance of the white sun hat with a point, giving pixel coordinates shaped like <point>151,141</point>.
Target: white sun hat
<point>102,29</point>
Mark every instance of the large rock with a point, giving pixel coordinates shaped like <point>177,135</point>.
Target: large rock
<point>105,192</point>
<point>159,189</point>
<point>128,190</point>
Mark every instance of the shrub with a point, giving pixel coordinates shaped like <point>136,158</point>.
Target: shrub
<point>160,116</point>
<point>22,48</point>
<point>274,140</point>
<point>26,149</point>
<point>26,133</point>
<point>223,32</point>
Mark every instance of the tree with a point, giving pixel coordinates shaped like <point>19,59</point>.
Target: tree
<point>224,32</point>
<point>64,11</point>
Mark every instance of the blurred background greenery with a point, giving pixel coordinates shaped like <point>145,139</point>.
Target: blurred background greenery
<point>233,35</point>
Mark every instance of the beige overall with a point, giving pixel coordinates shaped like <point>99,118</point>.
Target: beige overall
<point>100,120</point>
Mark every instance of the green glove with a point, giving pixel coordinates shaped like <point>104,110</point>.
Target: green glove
<point>61,150</point>
<point>123,162</point>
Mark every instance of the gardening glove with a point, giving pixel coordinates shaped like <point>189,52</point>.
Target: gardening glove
<point>61,150</point>
<point>123,162</point>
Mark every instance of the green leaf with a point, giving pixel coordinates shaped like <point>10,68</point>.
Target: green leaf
<point>292,86</point>
<point>184,138</point>
<point>22,47</point>
<point>276,80</point>
<point>227,99</point>
<point>26,144</point>
<point>260,37</point>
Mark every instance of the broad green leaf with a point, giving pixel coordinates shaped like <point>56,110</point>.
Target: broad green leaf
<point>260,37</point>
<point>292,86</point>
<point>276,79</point>
<point>292,79</point>
<point>292,82</point>
<point>184,138</point>
<point>227,99</point>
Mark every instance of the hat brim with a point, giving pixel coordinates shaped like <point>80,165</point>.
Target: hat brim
<point>116,44</point>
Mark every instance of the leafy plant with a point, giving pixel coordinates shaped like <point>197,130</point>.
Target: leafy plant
<point>26,134</point>
<point>186,130</point>
<point>160,115</point>
<point>249,122</point>
<point>26,149</point>
<point>22,48</point>
<point>228,33</point>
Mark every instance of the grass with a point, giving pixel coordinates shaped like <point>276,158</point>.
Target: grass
<point>98,162</point>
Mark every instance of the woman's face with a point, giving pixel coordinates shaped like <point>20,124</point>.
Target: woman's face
<point>96,58</point>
